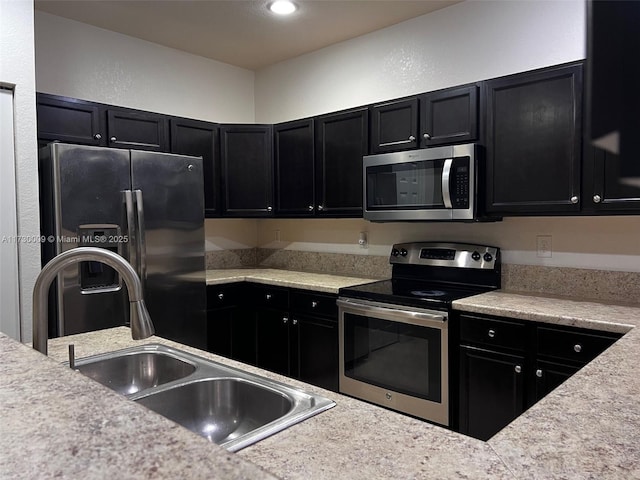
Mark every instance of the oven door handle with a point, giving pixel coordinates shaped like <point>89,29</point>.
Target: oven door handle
<point>436,318</point>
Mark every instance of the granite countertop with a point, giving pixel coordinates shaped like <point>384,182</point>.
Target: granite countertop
<point>62,423</point>
<point>319,282</point>
<point>588,427</point>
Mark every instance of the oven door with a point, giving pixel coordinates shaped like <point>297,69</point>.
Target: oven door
<point>396,357</point>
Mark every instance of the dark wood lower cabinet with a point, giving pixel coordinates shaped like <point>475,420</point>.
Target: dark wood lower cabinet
<point>507,365</point>
<point>286,331</point>
<point>273,340</point>
<point>491,391</point>
<point>317,351</point>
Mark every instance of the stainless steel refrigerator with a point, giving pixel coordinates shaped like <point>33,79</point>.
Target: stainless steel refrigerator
<point>147,207</point>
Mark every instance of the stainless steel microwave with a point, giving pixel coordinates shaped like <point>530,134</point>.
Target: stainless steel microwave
<point>436,183</point>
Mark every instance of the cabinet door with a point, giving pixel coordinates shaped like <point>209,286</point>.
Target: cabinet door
<point>549,375</point>
<point>293,159</point>
<point>273,342</point>
<point>200,139</point>
<point>69,120</point>
<point>341,142</point>
<point>219,323</point>
<point>247,170</point>
<point>317,350</point>
<point>491,391</point>
<point>449,116</point>
<point>137,130</point>
<point>602,189</point>
<point>534,132</point>
<point>243,334</point>
<point>394,126</point>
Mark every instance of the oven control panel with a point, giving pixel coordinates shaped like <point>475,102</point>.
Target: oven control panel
<point>458,255</point>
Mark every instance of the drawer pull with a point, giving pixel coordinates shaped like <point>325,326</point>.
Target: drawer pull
<point>314,304</point>
<point>539,373</point>
<point>577,348</point>
<point>221,296</point>
<point>491,333</point>
<point>268,296</point>
<point>518,369</point>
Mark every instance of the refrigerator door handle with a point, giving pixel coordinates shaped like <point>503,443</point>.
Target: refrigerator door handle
<point>132,250</point>
<point>142,243</point>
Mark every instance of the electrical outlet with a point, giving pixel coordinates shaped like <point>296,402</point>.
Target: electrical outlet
<point>544,246</point>
<point>276,235</point>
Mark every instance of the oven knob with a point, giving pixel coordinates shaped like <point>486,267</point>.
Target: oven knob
<point>395,252</point>
<point>403,252</point>
<point>487,257</point>
<point>475,256</point>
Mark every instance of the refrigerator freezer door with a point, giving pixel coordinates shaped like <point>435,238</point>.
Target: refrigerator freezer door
<point>171,249</point>
<point>88,210</point>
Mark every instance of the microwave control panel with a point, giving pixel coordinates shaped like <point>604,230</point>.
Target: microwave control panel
<point>460,183</point>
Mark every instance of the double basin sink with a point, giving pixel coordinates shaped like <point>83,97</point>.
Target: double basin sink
<point>229,407</point>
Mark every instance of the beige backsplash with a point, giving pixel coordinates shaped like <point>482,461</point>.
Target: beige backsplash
<point>601,285</point>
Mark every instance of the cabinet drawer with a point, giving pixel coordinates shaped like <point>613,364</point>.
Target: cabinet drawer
<point>271,297</point>
<point>219,296</point>
<point>314,304</point>
<point>491,332</point>
<point>572,345</point>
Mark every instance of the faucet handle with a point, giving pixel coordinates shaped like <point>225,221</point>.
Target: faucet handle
<point>72,356</point>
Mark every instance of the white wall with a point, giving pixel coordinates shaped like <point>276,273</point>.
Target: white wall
<point>17,70</point>
<point>78,60</point>
<point>466,42</point>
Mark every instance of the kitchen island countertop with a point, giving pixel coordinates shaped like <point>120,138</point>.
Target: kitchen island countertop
<point>61,423</point>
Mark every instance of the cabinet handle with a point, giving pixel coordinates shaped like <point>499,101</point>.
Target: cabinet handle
<point>269,209</point>
<point>221,296</point>
<point>426,136</point>
<point>320,207</point>
<point>113,139</point>
<point>577,348</point>
<point>295,322</point>
<point>97,136</point>
<point>491,333</point>
<point>310,207</point>
<point>539,373</point>
<point>314,304</point>
<point>518,369</point>
<point>412,138</point>
<point>268,296</point>
<point>574,199</point>
<point>597,199</point>
<point>285,320</point>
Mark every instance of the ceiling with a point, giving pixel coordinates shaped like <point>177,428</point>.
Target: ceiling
<point>242,32</point>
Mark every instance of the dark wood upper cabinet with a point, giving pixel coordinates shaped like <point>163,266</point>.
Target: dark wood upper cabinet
<point>294,168</point>
<point>449,116</point>
<point>137,130</point>
<point>534,141</point>
<point>69,120</point>
<point>394,126</point>
<point>601,188</point>
<point>342,140</point>
<point>247,170</point>
<point>200,139</point>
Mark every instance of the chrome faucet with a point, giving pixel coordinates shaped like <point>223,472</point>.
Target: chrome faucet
<point>141,325</point>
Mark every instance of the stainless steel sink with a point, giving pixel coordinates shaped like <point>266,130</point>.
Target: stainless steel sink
<point>135,371</point>
<point>228,406</point>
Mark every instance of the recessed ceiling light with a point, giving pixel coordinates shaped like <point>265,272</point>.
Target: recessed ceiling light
<point>283,7</point>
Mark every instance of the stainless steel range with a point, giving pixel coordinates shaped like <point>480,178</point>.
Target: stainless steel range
<point>394,333</point>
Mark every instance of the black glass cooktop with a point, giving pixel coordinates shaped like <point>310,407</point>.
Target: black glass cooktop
<point>411,292</point>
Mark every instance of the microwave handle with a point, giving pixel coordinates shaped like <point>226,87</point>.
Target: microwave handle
<point>446,174</point>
